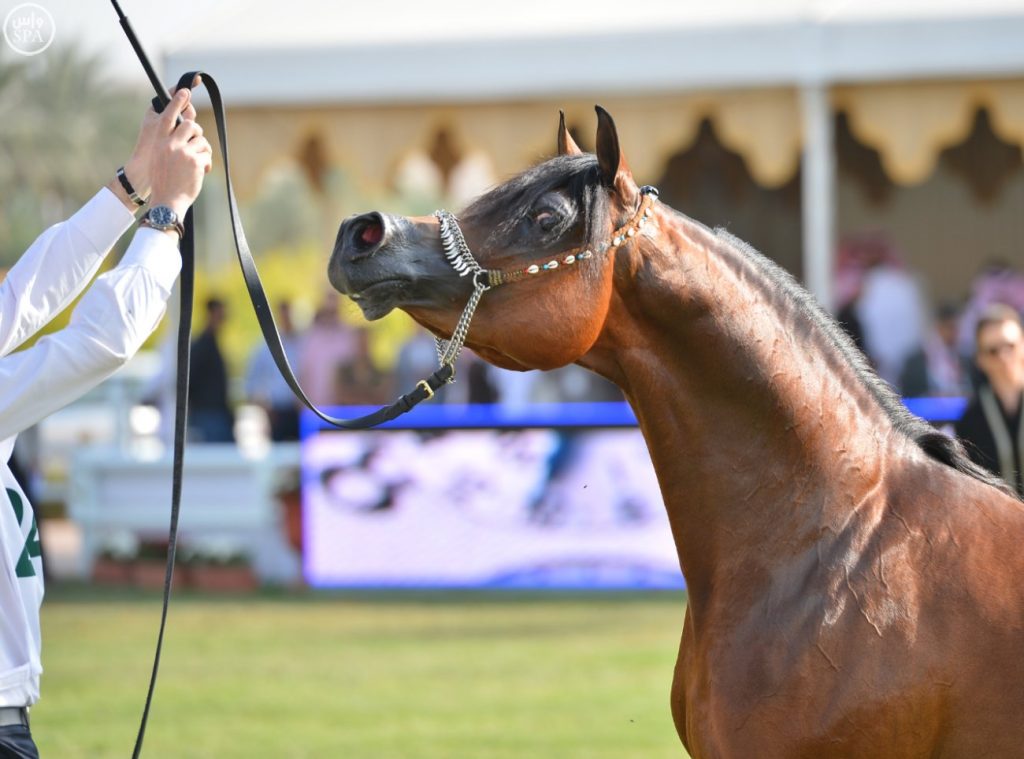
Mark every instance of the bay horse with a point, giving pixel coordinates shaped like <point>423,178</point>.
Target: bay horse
<point>856,584</point>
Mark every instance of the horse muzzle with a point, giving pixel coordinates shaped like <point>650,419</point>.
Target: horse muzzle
<point>353,268</point>
<point>383,262</point>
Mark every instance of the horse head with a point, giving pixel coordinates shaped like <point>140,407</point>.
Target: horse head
<point>554,236</point>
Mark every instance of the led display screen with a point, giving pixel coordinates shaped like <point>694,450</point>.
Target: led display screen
<point>481,497</point>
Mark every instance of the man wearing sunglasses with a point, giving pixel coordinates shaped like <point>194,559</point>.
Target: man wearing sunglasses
<point>991,426</point>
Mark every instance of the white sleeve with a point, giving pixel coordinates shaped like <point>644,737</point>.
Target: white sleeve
<point>57,267</point>
<point>109,324</point>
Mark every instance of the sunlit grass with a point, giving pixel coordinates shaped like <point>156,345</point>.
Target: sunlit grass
<point>417,677</point>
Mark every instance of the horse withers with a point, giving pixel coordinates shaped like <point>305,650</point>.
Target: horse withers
<point>856,585</point>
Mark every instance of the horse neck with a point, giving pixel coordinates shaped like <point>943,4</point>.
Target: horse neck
<point>762,434</point>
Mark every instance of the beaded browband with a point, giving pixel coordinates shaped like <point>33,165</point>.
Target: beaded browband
<point>457,251</point>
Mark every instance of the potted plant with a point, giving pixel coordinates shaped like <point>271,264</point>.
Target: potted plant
<point>220,571</point>
<point>150,566</point>
<point>114,564</point>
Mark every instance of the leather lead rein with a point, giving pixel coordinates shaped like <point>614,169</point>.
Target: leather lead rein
<point>264,314</point>
<point>424,388</point>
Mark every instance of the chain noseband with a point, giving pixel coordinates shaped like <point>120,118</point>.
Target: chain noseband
<point>457,251</point>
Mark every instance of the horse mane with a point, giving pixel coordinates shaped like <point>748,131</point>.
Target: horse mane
<point>504,207</point>
<point>935,444</point>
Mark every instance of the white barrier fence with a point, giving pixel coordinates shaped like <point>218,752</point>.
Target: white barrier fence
<point>229,498</point>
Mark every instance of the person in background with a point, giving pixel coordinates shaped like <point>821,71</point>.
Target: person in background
<point>890,309</point>
<point>996,282</point>
<point>879,302</point>
<point>328,345</point>
<point>480,387</point>
<point>358,381</point>
<point>937,368</point>
<point>573,384</point>
<point>112,320</point>
<point>210,418</point>
<point>991,428</point>
<point>850,324</point>
<point>264,384</point>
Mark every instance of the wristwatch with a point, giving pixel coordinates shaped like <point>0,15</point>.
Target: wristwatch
<point>162,218</point>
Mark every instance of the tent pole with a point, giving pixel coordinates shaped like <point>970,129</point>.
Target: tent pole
<point>818,191</point>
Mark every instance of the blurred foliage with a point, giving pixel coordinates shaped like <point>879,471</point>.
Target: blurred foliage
<point>63,132</point>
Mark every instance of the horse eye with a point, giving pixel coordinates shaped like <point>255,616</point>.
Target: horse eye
<point>546,220</point>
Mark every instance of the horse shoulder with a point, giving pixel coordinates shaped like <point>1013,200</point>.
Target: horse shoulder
<point>862,637</point>
<point>971,531</point>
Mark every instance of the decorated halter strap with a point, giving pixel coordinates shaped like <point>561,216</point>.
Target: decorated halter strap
<point>648,197</point>
<point>457,251</point>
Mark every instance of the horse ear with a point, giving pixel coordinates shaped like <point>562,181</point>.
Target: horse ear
<point>566,144</point>
<point>614,169</point>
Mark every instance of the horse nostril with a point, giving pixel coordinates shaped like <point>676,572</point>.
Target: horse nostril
<point>371,233</point>
<point>364,234</point>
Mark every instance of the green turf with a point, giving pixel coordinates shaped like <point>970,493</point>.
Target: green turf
<point>361,677</point>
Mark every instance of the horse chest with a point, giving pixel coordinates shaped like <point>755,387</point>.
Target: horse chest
<point>809,673</point>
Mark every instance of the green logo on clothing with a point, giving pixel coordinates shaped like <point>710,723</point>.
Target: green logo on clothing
<point>32,548</point>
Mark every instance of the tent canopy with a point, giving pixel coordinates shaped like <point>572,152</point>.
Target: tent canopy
<point>267,52</point>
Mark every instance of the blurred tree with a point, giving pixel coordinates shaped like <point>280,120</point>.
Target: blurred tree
<point>64,129</point>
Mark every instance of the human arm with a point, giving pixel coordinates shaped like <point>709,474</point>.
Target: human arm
<point>108,326</point>
<point>57,267</point>
<point>61,262</point>
<point>122,307</point>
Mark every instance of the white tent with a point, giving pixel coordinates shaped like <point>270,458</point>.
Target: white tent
<point>373,77</point>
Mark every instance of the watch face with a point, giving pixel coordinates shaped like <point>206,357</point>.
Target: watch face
<point>162,215</point>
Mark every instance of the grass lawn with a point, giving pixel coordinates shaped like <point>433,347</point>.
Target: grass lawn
<point>436,676</point>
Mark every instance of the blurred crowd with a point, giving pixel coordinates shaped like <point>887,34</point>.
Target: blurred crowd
<point>920,346</point>
<point>333,363</point>
<point>971,348</point>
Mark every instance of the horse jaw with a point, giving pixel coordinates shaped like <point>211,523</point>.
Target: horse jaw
<point>486,352</point>
<point>502,356</point>
<point>500,360</point>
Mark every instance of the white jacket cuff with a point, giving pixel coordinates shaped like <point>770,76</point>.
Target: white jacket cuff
<point>103,220</point>
<point>157,252</point>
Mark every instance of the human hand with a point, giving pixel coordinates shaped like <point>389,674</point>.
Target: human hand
<point>179,157</point>
<point>137,167</point>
